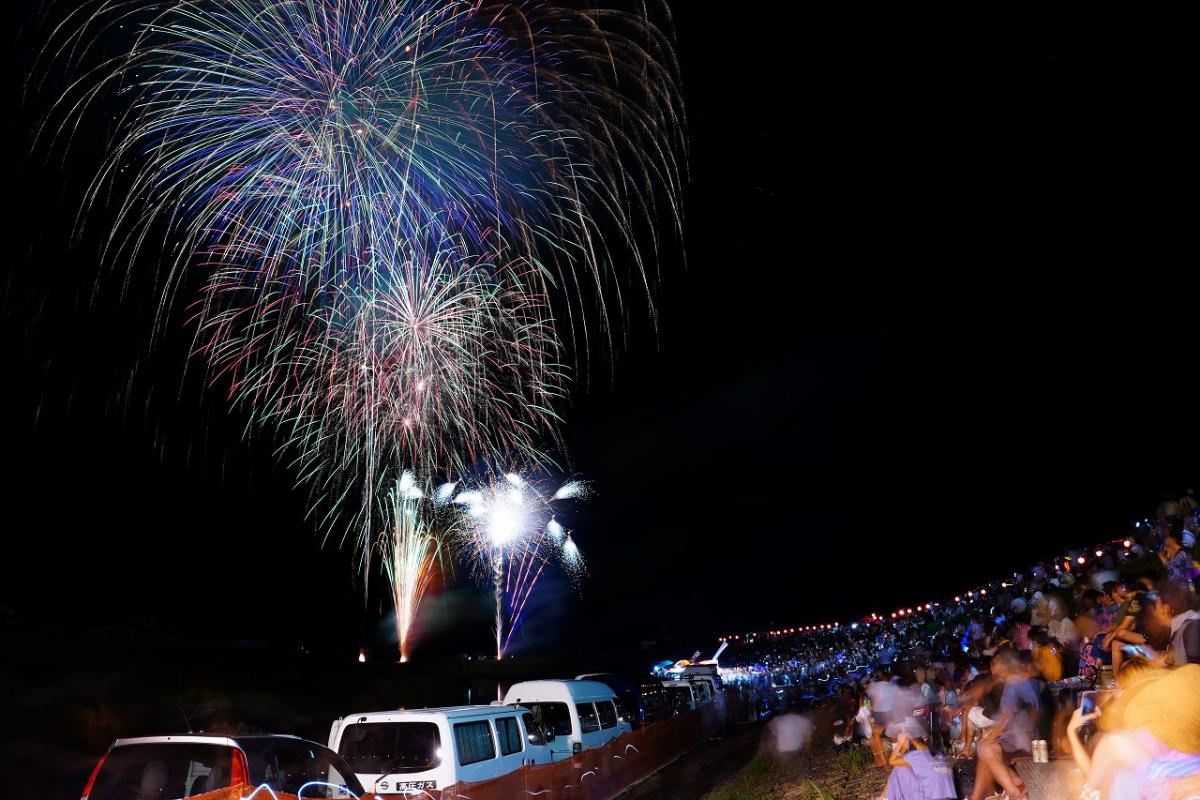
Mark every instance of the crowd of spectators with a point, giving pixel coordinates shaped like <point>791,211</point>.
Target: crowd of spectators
<point>1095,652</point>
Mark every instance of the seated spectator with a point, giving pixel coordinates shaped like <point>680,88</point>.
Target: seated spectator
<point>1177,560</point>
<point>1047,655</point>
<point>1013,733</point>
<point>845,708</point>
<point>1176,609</point>
<point>1123,628</point>
<point>918,774</point>
<point>1060,625</point>
<point>1085,622</point>
<point>1151,744</point>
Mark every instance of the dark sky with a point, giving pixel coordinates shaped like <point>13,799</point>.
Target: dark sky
<point>938,319</point>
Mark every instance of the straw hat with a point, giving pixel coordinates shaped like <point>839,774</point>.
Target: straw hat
<point>1169,707</point>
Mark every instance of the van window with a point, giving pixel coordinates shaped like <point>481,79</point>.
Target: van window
<point>588,722</point>
<point>509,734</point>
<point>555,716</point>
<point>383,748</point>
<point>627,708</point>
<point>607,713</point>
<point>534,728</point>
<point>655,701</point>
<point>162,770</point>
<point>681,698</point>
<point>286,765</point>
<point>474,742</point>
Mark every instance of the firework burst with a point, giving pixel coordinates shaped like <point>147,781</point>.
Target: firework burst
<point>509,532</point>
<point>397,216</point>
<point>382,198</point>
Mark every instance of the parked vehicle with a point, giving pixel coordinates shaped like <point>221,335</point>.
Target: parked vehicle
<point>187,765</point>
<point>582,714</point>
<point>397,752</point>
<point>703,688</point>
<point>640,700</point>
<point>703,669</point>
<point>682,695</point>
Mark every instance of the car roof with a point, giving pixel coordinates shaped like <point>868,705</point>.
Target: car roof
<point>535,691</point>
<point>203,738</point>
<point>450,712</point>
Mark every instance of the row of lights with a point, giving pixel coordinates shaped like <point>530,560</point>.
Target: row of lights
<point>905,612</point>
<point>783,632</point>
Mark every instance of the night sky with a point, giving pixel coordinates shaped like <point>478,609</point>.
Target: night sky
<point>938,318</point>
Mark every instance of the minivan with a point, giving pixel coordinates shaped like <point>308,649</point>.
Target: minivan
<point>399,752</point>
<point>683,696</point>
<point>641,700</point>
<point>582,714</point>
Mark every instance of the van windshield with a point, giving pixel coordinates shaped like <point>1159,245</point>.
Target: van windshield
<point>681,697</point>
<point>167,770</point>
<point>554,716</point>
<point>378,748</point>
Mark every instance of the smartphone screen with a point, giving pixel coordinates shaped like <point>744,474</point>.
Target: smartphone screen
<point>1088,701</point>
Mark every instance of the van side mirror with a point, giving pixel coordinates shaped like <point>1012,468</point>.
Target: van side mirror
<point>541,735</point>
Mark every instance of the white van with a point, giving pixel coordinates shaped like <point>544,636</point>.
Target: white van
<point>683,695</point>
<point>582,714</point>
<point>404,752</point>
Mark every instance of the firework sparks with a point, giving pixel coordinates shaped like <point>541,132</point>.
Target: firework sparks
<point>400,214</point>
<point>411,548</point>
<point>510,533</point>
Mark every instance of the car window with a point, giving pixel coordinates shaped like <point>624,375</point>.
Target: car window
<point>509,734</point>
<point>288,764</point>
<point>607,713</point>
<point>588,722</point>
<point>379,748</point>
<point>555,716</point>
<point>474,742</point>
<point>172,769</point>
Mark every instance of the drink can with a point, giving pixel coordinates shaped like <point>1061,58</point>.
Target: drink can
<point>1041,751</point>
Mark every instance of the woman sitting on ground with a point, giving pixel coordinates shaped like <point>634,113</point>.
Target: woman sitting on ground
<point>917,773</point>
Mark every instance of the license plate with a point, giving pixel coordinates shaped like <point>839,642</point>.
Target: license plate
<point>386,786</point>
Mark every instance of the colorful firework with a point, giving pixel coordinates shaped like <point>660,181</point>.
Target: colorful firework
<point>383,197</point>
<point>509,532</point>
<point>397,216</point>
<point>290,140</point>
<point>411,549</point>
<point>441,368</point>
